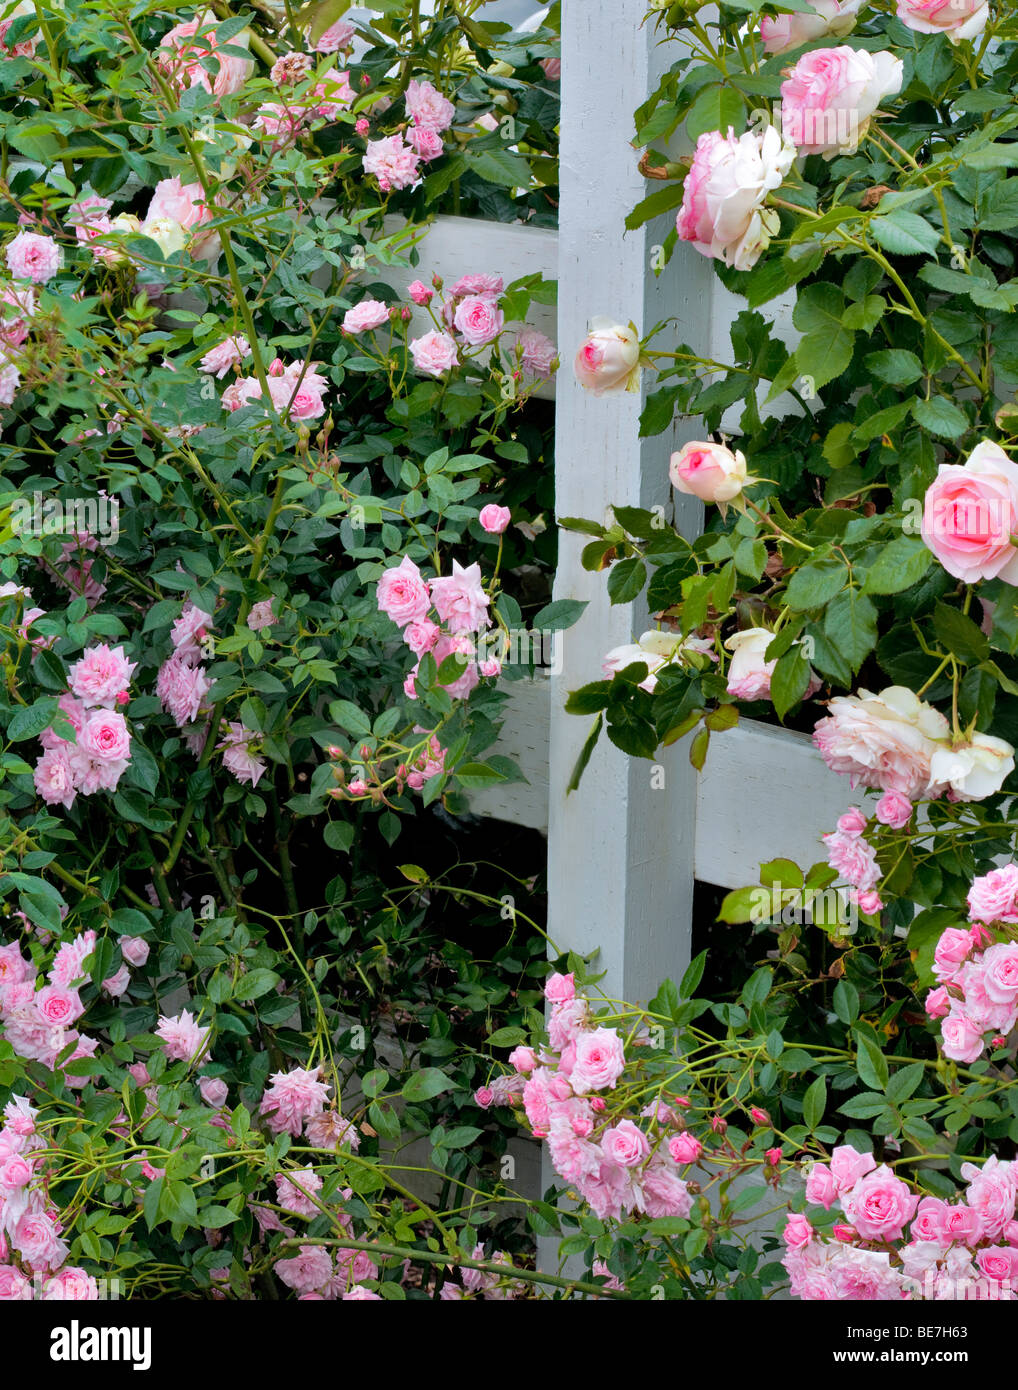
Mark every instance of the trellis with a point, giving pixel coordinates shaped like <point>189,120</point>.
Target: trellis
<point>624,851</point>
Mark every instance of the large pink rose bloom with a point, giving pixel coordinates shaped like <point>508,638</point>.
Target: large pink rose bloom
<point>403,593</point>
<point>886,740</point>
<point>830,95</point>
<point>880,1205</point>
<point>958,19</point>
<point>459,598</point>
<point>970,514</point>
<point>994,896</point>
<point>180,57</point>
<point>722,211</point>
<point>608,359</point>
<point>708,471</point>
<point>428,108</point>
<point>781,33</point>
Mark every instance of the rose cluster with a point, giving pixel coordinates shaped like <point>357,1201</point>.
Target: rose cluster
<point>101,751</point>
<point>962,1249</point>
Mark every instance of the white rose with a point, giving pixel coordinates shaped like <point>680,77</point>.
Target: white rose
<point>972,770</point>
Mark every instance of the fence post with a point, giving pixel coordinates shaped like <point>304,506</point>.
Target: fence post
<point>620,850</point>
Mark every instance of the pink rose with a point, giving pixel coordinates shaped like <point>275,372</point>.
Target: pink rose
<point>798,1232</point>
<point>229,353</point>
<point>708,471</point>
<point>104,735</point>
<point>369,314</point>
<point>848,1165</point>
<point>723,211</point>
<point>1000,973</point>
<point>538,354</point>
<point>685,1147</point>
<point>600,1060</point>
<point>781,33</point>
<point>749,675</point>
<point>886,741</point>
<point>182,689</point>
<point>938,1003</point>
<point>959,19</point>
<point>101,675</point>
<point>991,1192</point>
<point>403,594</point>
<point>608,360</point>
<point>134,949</point>
<point>393,163</point>
<point>880,1205</point>
<point>478,320</point>
<point>425,144</point>
<point>182,1036</point>
<point>558,988</point>
<point>187,46</point>
<point>214,1090</point>
<point>625,1144</point>
<point>994,896</point>
<point>494,519</point>
<point>116,984</point>
<point>662,1192</point>
<point>854,859</point>
<point>962,1224</point>
<point>428,108</point>
<point>970,514</point>
<point>852,822</point>
<point>953,947</point>
<point>33,257</point>
<point>831,94</point>
<point>961,1040</point>
<point>894,810</point>
<point>434,354</point>
<point>183,203</point>
<point>36,1240</point>
<point>421,635</point>
<point>460,600</point>
<point>524,1059</point>
<point>420,293</point>
<point>53,776</point>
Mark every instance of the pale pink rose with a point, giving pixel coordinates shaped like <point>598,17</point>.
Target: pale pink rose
<point>991,1192</point>
<point>781,33</point>
<point>524,1059</point>
<point>459,598</point>
<point>309,1270</point>
<point>953,947</point>
<point>331,1130</point>
<point>626,1144</point>
<point>552,68</point>
<point>938,1002</point>
<point>17,309</point>
<point>723,195</point>
<point>89,218</point>
<point>104,735</point>
<point>798,1232</point>
<point>477,320</point>
<point>852,822</point>
<point>749,675</point>
<point>358,1293</point>
<point>10,379</point>
<point>434,354</point>
<point>538,354</point>
<point>214,1090</point>
<point>102,674</point>
<point>37,1241</point>
<point>363,317</point>
<point>994,896</point>
<point>685,1147</point>
<point>189,630</point>
<point>291,68</point>
<point>848,1165</point>
<point>182,689</point>
<point>600,1060</point>
<point>183,1037</point>
<point>14,1287</point>
<point>71,1285</point>
<point>885,741</point>
<point>894,810</point>
<point>53,776</point>
<point>68,963</point>
<point>117,984</point>
<point>462,647</point>
<point>1000,972</point>
<point>181,53</point>
<point>238,758</point>
<point>494,519</point>
<point>821,1186</point>
<point>337,36</point>
<point>420,293</point>
<point>928,1223</point>
<point>608,359</point>
<point>420,635</point>
<point>293,1097</point>
<point>33,257</point>
<point>426,145</point>
<point>831,94</point>
<point>428,108</point>
<point>662,1192</point>
<point>559,988</point>
<point>24,47</point>
<point>708,471</point>
<point>959,19</point>
<point>880,1205</point>
<point>134,949</point>
<point>484,283</point>
<point>403,593</point>
<point>962,1224</point>
<point>961,1040</point>
<point>229,353</point>
<point>394,163</point>
<point>183,203</point>
<point>998,1262</point>
<point>565,1021</point>
<point>289,1194</point>
<point>854,859</point>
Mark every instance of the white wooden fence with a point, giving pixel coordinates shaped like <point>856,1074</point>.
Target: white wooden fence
<point>623,851</point>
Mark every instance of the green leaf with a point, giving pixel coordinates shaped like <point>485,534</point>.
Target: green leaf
<point>559,614</point>
<point>626,580</point>
<point>499,166</point>
<point>814,1103</point>
<point>661,200</point>
<point>870,1063</point>
<point>940,416</point>
<point>427,1083</point>
<point>692,976</point>
<point>850,626</point>
<point>959,634</point>
<point>789,681</point>
<point>905,1082</point>
<point>895,366</point>
<point>347,715</point>
<point>846,1001</point>
<point>29,721</point>
<point>715,108</point>
<point>254,984</point>
<point>824,355</point>
<point>905,234</point>
<point>899,565</point>
<point>589,745</point>
<point>815,583</point>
